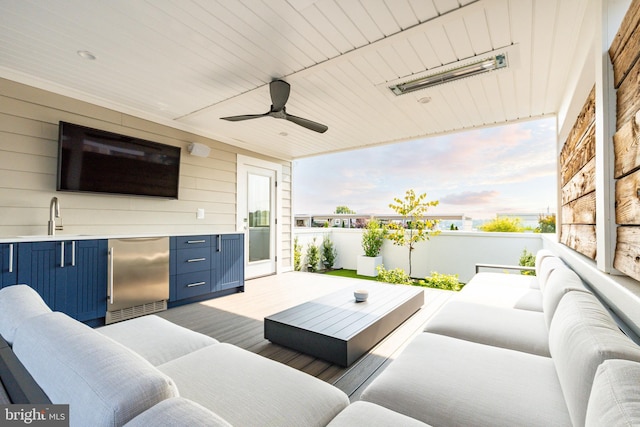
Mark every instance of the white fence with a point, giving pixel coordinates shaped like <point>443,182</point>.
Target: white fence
<point>450,252</point>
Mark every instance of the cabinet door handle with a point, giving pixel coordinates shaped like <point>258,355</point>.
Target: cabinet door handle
<point>62,254</point>
<point>193,242</point>
<point>196,259</point>
<point>111,275</point>
<point>219,248</point>
<point>11,258</point>
<point>73,253</point>
<point>191,285</point>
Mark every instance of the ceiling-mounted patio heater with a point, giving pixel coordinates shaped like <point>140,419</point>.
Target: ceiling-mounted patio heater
<point>490,64</point>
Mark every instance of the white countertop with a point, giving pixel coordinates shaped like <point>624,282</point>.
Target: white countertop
<point>63,236</point>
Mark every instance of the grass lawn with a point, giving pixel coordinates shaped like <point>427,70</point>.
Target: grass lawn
<point>448,283</point>
<point>348,273</point>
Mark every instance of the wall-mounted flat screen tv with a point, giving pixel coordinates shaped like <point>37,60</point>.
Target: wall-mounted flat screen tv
<point>98,161</point>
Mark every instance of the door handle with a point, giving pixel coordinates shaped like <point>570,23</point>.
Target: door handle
<point>111,253</point>
<point>11,258</point>
<point>196,259</point>
<point>62,254</point>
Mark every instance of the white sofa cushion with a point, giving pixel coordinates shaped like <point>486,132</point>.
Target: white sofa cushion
<point>176,412</point>
<point>156,339</point>
<point>501,295</point>
<point>17,304</point>
<point>445,381</point>
<point>545,267</point>
<point>540,255</point>
<point>512,278</point>
<point>103,382</point>
<point>615,399</point>
<point>521,330</point>
<point>561,280</point>
<point>581,337</point>
<point>367,414</point>
<point>227,380</point>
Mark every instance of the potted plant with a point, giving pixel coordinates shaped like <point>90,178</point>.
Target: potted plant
<point>372,240</point>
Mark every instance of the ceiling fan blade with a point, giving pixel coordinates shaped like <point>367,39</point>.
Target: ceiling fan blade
<point>279,90</point>
<point>243,117</point>
<point>314,126</point>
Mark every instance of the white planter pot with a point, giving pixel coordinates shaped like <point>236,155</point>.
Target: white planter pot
<point>367,265</point>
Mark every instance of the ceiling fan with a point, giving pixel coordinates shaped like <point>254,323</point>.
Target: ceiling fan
<point>279,90</point>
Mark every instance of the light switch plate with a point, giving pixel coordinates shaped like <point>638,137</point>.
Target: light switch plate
<point>200,213</point>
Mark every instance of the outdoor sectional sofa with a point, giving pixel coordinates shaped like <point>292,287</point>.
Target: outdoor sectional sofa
<point>542,351</point>
<point>517,350</point>
<point>148,371</point>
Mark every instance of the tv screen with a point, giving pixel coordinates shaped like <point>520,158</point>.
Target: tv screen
<point>104,162</point>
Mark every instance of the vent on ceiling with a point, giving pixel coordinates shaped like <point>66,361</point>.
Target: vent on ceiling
<point>475,68</point>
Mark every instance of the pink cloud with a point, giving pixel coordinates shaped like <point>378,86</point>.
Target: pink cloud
<point>470,198</point>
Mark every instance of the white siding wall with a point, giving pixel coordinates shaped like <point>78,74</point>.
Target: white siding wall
<point>28,157</point>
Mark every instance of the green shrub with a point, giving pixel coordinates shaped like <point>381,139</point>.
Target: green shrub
<point>447,282</point>
<point>503,224</point>
<point>329,253</point>
<point>313,256</point>
<point>527,259</point>
<point>373,238</point>
<point>297,255</point>
<point>397,276</point>
<point>546,224</point>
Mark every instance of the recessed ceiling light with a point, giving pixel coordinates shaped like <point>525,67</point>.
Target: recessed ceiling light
<point>424,100</point>
<point>85,54</point>
<point>283,134</point>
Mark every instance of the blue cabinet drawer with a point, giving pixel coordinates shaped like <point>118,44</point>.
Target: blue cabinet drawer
<point>194,259</point>
<point>193,284</point>
<point>185,242</point>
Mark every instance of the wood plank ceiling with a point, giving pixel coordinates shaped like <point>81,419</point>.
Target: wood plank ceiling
<point>186,63</point>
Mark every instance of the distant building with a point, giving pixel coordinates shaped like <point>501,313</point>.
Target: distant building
<point>459,221</point>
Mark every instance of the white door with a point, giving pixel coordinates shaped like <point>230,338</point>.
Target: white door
<point>258,215</point>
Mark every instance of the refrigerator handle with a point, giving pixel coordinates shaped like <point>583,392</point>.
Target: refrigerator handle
<point>111,275</point>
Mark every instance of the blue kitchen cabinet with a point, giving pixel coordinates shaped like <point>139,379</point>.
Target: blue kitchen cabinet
<point>8,264</point>
<point>41,265</point>
<point>70,275</point>
<point>86,297</point>
<point>228,254</point>
<point>202,267</point>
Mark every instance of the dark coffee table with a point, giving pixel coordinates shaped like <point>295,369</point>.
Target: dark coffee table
<point>338,329</point>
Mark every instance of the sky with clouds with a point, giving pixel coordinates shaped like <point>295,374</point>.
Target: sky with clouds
<point>506,169</point>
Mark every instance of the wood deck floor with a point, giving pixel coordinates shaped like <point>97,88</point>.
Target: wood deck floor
<point>239,319</point>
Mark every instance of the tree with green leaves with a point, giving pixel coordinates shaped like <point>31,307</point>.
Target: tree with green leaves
<point>344,210</point>
<point>414,228</point>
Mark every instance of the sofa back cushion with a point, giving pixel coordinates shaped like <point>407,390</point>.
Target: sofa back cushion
<point>615,396</point>
<point>561,280</point>
<point>540,255</point>
<point>103,382</point>
<point>547,265</point>
<point>581,337</point>
<point>17,304</point>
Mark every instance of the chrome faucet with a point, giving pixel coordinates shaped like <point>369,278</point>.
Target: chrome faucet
<point>54,212</point>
